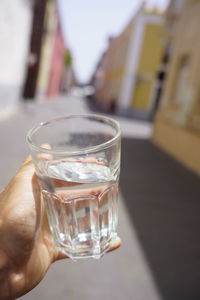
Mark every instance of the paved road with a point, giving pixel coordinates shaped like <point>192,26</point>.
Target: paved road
<point>13,130</point>
<point>159,220</point>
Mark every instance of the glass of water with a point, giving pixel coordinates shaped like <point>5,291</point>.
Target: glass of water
<point>77,161</point>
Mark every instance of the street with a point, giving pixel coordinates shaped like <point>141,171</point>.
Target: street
<point>158,218</point>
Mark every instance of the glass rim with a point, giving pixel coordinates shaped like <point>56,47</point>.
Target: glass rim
<point>85,150</point>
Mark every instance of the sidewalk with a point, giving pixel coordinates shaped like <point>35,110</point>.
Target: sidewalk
<point>162,199</point>
<point>159,220</point>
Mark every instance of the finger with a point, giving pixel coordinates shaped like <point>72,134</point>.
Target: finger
<point>43,155</point>
<point>59,255</point>
<point>27,162</point>
<point>46,146</point>
<point>94,160</point>
<point>115,245</point>
<point>28,159</point>
<point>27,165</point>
<point>91,160</point>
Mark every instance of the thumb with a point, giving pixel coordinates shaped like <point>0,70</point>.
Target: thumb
<point>27,167</point>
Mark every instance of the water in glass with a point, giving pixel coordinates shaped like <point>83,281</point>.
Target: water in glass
<point>81,199</point>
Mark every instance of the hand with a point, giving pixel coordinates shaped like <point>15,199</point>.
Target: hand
<point>26,245</point>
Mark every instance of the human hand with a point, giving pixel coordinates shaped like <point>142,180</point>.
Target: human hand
<point>26,245</point>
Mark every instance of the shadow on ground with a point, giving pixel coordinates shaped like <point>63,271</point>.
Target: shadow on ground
<point>127,113</point>
<point>163,199</point>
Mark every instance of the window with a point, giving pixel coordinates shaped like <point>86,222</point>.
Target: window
<point>181,92</point>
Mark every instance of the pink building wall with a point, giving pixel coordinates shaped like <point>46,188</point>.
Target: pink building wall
<point>57,65</point>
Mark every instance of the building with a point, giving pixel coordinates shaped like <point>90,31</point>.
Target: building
<point>69,78</point>
<point>127,72</point>
<point>177,123</point>
<point>15,29</point>
<point>57,66</point>
<point>34,55</point>
<point>47,47</point>
<point>45,69</point>
<point>110,71</point>
<point>144,55</point>
<point>51,73</point>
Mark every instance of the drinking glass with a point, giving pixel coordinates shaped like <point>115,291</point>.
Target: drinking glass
<point>77,161</point>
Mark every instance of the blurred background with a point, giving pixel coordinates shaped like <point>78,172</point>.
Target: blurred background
<point>137,61</point>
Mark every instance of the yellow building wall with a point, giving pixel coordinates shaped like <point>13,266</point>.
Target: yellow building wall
<point>177,124</point>
<point>182,143</point>
<point>150,58</point>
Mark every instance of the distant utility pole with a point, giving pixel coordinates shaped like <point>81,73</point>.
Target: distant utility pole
<point>33,63</point>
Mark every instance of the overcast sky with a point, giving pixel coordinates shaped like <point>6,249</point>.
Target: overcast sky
<point>87,24</point>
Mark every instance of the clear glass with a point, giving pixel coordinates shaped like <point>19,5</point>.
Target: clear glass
<point>77,161</point>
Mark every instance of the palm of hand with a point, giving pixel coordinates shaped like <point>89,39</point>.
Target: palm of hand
<point>26,249</point>
<point>26,245</point>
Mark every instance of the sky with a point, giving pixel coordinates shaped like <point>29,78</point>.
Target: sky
<point>87,24</point>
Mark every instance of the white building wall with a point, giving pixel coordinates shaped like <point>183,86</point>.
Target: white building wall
<point>132,62</point>
<point>15,25</point>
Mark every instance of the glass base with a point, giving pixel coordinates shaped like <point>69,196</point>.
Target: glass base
<point>85,250</point>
